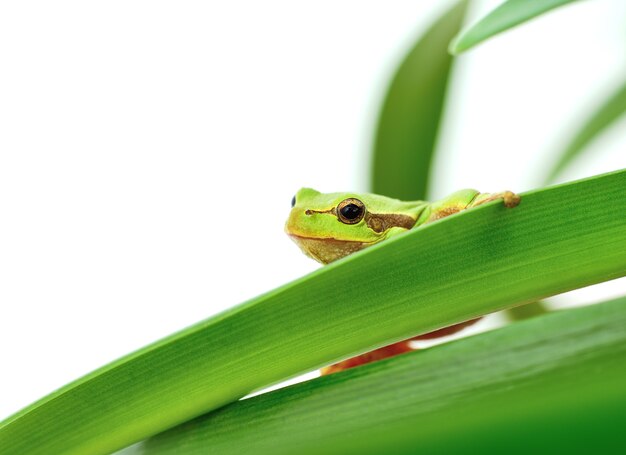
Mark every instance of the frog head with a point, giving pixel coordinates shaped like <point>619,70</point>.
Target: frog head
<point>329,226</point>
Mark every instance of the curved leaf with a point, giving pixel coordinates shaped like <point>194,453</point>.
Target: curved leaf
<point>449,397</point>
<point>478,261</point>
<point>506,16</point>
<point>411,112</point>
<point>609,111</point>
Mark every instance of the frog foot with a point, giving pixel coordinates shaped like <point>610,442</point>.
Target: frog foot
<point>394,349</point>
<point>372,356</point>
<point>509,199</point>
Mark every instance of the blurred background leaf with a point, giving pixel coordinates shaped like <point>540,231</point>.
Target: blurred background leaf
<point>506,16</point>
<point>410,116</point>
<point>610,110</point>
<point>410,120</point>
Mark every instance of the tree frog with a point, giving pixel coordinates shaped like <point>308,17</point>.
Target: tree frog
<point>330,226</point>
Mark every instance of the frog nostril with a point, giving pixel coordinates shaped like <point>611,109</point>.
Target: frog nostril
<point>309,212</point>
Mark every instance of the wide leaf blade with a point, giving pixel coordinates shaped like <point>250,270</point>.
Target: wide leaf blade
<point>506,16</point>
<point>481,260</point>
<point>411,113</point>
<point>519,385</point>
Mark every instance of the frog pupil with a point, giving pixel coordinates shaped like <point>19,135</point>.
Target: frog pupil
<point>350,211</point>
<point>293,201</point>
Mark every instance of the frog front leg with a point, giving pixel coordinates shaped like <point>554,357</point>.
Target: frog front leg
<point>509,199</point>
<point>462,200</point>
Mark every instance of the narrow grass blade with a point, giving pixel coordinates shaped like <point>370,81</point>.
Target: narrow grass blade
<point>411,112</point>
<point>609,111</point>
<point>452,397</point>
<point>478,261</point>
<point>506,16</point>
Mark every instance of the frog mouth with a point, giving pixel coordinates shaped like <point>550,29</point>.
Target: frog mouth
<point>327,249</point>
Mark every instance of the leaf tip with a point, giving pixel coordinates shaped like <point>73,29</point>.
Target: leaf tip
<point>454,48</point>
<point>461,42</point>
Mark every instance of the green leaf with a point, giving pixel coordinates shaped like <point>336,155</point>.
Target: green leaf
<point>522,312</point>
<point>506,16</point>
<point>411,112</point>
<point>526,385</point>
<point>478,261</point>
<point>608,112</point>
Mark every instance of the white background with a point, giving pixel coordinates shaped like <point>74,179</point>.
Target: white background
<point>149,151</point>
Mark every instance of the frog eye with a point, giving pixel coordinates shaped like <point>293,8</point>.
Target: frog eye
<point>293,201</point>
<point>350,211</point>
